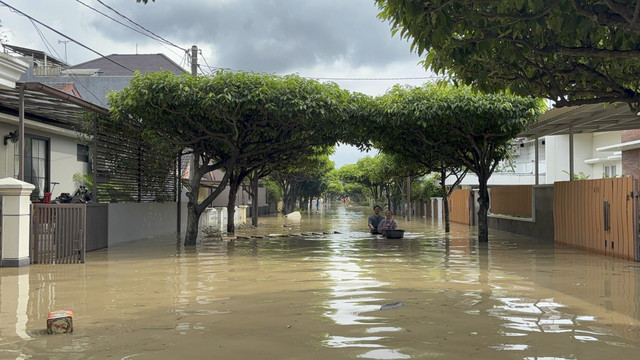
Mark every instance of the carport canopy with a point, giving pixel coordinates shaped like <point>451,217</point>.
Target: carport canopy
<point>41,103</point>
<point>582,119</point>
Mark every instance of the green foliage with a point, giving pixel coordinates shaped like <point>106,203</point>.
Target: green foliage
<point>579,176</point>
<point>572,52</point>
<point>426,188</point>
<point>83,179</point>
<point>274,193</point>
<point>239,122</point>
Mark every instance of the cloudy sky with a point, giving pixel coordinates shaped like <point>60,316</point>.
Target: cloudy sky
<point>332,40</point>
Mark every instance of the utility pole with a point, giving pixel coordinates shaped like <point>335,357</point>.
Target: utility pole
<point>194,72</point>
<point>65,48</point>
<point>194,60</point>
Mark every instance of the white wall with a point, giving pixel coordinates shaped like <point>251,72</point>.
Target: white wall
<point>605,139</point>
<point>557,156</point>
<point>63,153</point>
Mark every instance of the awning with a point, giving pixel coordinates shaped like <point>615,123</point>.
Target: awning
<point>584,119</point>
<point>47,105</point>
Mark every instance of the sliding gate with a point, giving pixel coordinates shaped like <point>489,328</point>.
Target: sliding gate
<point>58,233</point>
<point>598,215</point>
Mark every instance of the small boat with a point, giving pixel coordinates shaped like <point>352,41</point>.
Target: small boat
<point>394,234</point>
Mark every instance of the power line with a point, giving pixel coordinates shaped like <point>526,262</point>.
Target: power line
<point>142,27</point>
<point>52,50</point>
<point>61,34</point>
<point>155,38</point>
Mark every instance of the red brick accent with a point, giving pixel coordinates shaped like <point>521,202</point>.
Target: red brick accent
<point>631,163</point>
<point>630,135</point>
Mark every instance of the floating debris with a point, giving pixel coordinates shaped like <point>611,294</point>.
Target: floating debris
<point>60,322</point>
<point>391,306</point>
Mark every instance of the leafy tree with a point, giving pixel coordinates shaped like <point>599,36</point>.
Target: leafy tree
<point>573,52</point>
<point>298,174</point>
<point>335,187</point>
<point>233,121</point>
<point>453,125</point>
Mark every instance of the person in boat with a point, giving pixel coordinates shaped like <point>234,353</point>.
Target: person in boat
<point>375,219</point>
<point>388,223</point>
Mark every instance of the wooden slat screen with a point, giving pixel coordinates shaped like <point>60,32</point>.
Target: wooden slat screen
<point>129,171</point>
<point>511,200</point>
<point>579,216</point>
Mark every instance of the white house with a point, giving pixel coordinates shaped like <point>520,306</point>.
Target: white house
<point>593,141</point>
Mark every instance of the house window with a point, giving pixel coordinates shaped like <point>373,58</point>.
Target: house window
<point>82,153</point>
<point>609,171</point>
<point>36,164</point>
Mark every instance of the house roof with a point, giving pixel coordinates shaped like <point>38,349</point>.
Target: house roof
<point>584,119</point>
<point>48,105</point>
<point>36,54</point>
<point>124,64</point>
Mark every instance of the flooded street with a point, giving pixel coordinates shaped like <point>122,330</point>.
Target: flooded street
<point>318,295</point>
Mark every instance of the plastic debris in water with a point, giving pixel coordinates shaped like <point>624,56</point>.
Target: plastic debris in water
<point>60,322</point>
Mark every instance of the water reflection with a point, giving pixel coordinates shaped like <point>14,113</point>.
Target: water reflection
<point>307,292</point>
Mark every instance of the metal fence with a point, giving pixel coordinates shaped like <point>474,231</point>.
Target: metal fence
<point>58,233</point>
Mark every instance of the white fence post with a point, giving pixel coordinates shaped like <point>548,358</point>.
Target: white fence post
<point>16,218</point>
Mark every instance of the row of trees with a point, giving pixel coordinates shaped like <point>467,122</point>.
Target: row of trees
<point>252,126</point>
<point>239,122</point>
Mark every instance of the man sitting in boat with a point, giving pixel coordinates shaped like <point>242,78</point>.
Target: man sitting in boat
<point>375,219</point>
<point>388,223</point>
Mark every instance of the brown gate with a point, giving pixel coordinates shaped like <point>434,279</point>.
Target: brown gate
<point>58,233</point>
<point>598,215</point>
<point>461,206</point>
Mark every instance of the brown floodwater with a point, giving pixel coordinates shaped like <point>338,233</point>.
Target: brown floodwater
<point>318,295</point>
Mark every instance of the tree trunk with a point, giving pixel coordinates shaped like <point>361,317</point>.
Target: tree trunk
<point>483,209</point>
<point>254,200</point>
<point>193,220</point>
<point>445,203</point>
<point>231,207</point>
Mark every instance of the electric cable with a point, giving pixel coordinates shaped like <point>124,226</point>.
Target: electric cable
<point>63,35</point>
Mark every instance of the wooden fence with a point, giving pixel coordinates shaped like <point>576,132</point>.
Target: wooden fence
<point>598,215</point>
<point>511,200</point>
<point>58,233</point>
<point>460,205</point>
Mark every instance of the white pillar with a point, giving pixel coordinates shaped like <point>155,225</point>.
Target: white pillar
<point>571,170</point>
<point>243,214</point>
<point>16,218</point>
<point>220,212</point>
<point>537,160</point>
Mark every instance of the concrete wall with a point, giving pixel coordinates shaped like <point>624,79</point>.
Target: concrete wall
<point>541,226</point>
<point>132,221</point>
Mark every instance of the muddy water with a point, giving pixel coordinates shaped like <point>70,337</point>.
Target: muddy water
<point>318,296</point>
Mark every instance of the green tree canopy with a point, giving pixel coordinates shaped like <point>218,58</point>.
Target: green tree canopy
<point>572,52</point>
<point>233,121</point>
<point>454,125</point>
